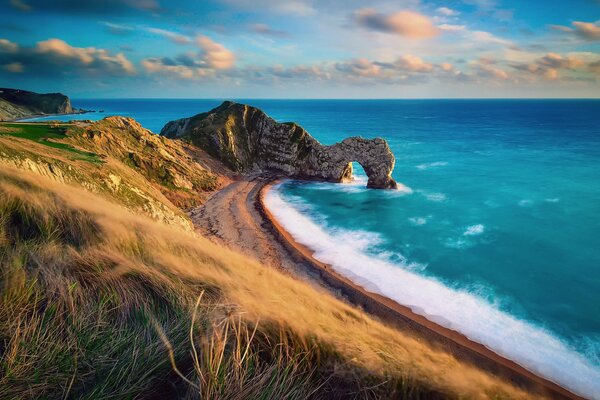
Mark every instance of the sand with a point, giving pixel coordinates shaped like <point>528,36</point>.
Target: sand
<point>237,217</point>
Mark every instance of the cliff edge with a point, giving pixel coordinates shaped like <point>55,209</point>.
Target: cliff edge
<point>15,103</point>
<point>248,140</point>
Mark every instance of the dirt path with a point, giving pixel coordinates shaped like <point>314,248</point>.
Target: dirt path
<point>230,217</point>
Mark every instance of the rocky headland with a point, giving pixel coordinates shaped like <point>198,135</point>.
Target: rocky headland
<point>16,104</point>
<point>249,141</point>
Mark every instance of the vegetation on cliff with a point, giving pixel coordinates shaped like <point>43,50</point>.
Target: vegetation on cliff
<point>15,103</point>
<point>119,159</point>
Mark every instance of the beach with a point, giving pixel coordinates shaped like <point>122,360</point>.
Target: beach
<point>237,217</point>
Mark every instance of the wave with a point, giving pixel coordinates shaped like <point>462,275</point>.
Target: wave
<point>474,230</point>
<point>356,185</point>
<point>467,311</point>
<point>433,196</point>
<point>432,165</point>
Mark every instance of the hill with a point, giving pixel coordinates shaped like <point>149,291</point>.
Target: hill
<point>15,103</point>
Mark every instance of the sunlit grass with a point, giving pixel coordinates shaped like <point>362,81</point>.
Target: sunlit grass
<point>44,133</point>
<point>98,303</point>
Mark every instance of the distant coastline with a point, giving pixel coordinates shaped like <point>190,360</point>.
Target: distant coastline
<point>27,117</point>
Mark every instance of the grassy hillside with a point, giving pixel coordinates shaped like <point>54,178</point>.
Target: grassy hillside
<point>119,159</point>
<point>99,299</point>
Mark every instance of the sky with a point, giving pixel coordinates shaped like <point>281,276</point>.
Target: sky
<point>302,48</point>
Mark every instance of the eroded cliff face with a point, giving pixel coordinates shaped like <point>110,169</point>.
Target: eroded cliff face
<point>16,103</point>
<point>248,140</point>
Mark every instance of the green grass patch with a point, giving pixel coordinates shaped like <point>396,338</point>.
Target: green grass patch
<point>43,133</point>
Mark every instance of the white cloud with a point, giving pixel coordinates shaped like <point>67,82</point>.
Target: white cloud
<point>452,28</point>
<point>7,46</point>
<point>215,55</point>
<point>172,36</point>
<point>404,23</point>
<point>448,12</point>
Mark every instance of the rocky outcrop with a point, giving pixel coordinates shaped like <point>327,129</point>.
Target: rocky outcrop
<point>16,103</point>
<point>248,140</point>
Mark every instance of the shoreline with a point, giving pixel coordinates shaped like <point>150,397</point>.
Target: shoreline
<point>23,119</point>
<point>404,318</point>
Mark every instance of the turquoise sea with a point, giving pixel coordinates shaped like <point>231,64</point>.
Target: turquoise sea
<point>496,232</point>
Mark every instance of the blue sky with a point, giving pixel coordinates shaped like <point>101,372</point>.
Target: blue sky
<point>302,48</point>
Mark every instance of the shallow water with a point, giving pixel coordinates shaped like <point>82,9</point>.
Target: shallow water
<point>497,233</point>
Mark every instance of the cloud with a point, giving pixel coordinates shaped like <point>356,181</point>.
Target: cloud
<point>266,30</point>
<point>585,30</point>
<point>448,12</point>
<point>6,46</point>
<point>212,59</point>
<point>553,66</point>
<point>553,60</point>
<point>117,29</point>
<point>215,55</point>
<point>165,67</point>
<point>594,67</point>
<point>452,28</point>
<point>20,5</point>
<point>487,37</point>
<point>55,57</point>
<point>297,8</point>
<point>172,36</point>
<point>486,68</point>
<point>404,23</point>
<point>14,67</point>
<point>91,7</point>
<point>413,63</point>
<point>360,67</point>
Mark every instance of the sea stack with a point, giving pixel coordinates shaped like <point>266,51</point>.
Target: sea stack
<point>249,141</point>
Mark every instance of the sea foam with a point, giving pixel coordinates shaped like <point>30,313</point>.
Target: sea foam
<point>463,310</point>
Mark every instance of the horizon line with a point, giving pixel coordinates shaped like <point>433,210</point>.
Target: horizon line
<point>336,98</point>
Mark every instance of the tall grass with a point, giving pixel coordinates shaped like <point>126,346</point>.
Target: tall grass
<point>98,303</point>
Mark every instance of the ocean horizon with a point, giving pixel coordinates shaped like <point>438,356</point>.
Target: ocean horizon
<point>492,232</point>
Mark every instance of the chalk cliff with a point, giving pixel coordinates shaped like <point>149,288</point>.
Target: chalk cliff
<point>248,140</point>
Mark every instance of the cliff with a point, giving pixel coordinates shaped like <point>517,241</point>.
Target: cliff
<point>118,159</point>
<point>16,103</point>
<point>248,141</point>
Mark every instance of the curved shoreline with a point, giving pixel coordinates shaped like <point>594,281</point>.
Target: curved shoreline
<point>33,116</point>
<point>404,318</point>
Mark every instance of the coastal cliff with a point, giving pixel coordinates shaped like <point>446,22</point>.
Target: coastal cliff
<point>247,140</point>
<point>15,103</point>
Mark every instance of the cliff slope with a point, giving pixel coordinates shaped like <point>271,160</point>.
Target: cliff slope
<point>119,159</point>
<point>248,140</point>
<point>15,103</point>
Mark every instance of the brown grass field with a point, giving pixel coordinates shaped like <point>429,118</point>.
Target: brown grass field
<point>97,302</point>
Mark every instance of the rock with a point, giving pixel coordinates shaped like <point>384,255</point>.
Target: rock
<point>249,141</point>
<point>15,103</point>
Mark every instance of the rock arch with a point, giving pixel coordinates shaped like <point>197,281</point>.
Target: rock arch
<point>248,140</point>
<point>334,163</point>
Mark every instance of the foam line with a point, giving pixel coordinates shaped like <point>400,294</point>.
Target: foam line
<point>531,346</point>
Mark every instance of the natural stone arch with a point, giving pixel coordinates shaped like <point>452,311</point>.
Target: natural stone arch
<point>334,163</point>
<point>248,140</point>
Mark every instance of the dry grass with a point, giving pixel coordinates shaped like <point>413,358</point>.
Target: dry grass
<point>98,303</point>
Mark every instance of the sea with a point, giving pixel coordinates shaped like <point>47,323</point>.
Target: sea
<point>494,231</point>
